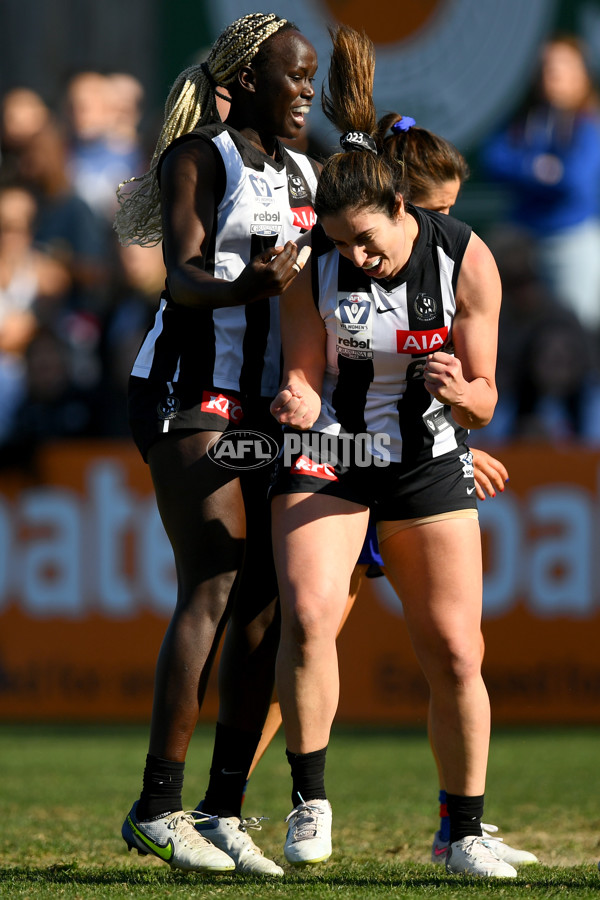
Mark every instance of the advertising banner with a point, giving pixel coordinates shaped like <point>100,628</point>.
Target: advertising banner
<point>87,586</point>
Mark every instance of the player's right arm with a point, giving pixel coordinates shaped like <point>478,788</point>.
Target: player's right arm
<point>190,174</point>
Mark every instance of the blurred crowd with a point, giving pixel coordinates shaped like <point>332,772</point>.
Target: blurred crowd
<point>74,304</point>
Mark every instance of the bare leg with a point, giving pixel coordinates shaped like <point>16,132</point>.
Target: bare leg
<point>273,720</point>
<point>436,570</point>
<point>316,542</point>
<point>247,668</point>
<point>202,511</point>
<point>430,735</point>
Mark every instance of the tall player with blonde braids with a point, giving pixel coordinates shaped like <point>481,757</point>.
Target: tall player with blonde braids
<point>229,202</point>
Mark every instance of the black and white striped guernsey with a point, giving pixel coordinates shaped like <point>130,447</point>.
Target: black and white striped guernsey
<point>263,203</point>
<point>379,334</point>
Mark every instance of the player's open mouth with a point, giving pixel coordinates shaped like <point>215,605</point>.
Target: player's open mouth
<point>373,264</point>
<point>298,112</point>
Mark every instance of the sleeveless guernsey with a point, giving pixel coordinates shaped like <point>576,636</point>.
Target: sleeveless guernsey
<point>263,203</point>
<point>379,334</point>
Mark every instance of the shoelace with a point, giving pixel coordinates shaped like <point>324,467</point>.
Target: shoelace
<point>489,831</point>
<point>185,822</point>
<point>469,850</point>
<point>309,823</point>
<point>252,822</point>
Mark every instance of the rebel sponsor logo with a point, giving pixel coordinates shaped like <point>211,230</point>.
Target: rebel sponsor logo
<point>351,348</point>
<point>265,216</point>
<point>304,217</point>
<point>421,341</point>
<point>227,407</point>
<point>306,466</point>
<point>265,223</point>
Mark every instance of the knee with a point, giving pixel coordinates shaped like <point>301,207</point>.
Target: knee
<point>459,662</point>
<point>308,622</point>
<point>205,600</point>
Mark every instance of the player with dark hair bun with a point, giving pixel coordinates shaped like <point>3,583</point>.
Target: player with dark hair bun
<point>389,341</point>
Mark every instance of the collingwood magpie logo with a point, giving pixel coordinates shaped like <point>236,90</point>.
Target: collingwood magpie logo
<point>425,307</point>
<point>297,187</point>
<point>168,408</point>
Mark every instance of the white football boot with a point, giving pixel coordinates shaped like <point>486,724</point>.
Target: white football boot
<point>308,838</point>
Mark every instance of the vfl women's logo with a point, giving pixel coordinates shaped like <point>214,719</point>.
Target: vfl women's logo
<point>266,219</point>
<point>261,188</point>
<point>425,307</point>
<point>354,313</point>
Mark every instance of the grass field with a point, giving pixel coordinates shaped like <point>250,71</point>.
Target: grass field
<point>65,792</point>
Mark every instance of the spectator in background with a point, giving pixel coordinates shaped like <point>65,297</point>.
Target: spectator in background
<point>23,115</point>
<point>550,159</point>
<point>67,229</point>
<point>556,392</point>
<point>53,404</point>
<point>103,116</point>
<point>32,288</point>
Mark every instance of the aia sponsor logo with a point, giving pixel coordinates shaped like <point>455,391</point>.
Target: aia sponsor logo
<point>418,342</point>
<point>306,466</point>
<point>243,450</point>
<point>304,217</point>
<point>227,407</point>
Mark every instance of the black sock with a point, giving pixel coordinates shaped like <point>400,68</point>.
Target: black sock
<point>308,775</point>
<point>232,757</point>
<point>465,815</point>
<point>162,787</point>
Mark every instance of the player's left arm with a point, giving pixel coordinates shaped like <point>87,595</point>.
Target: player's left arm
<point>466,381</point>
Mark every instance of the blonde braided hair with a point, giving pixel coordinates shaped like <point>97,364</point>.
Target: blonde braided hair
<point>191,102</point>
